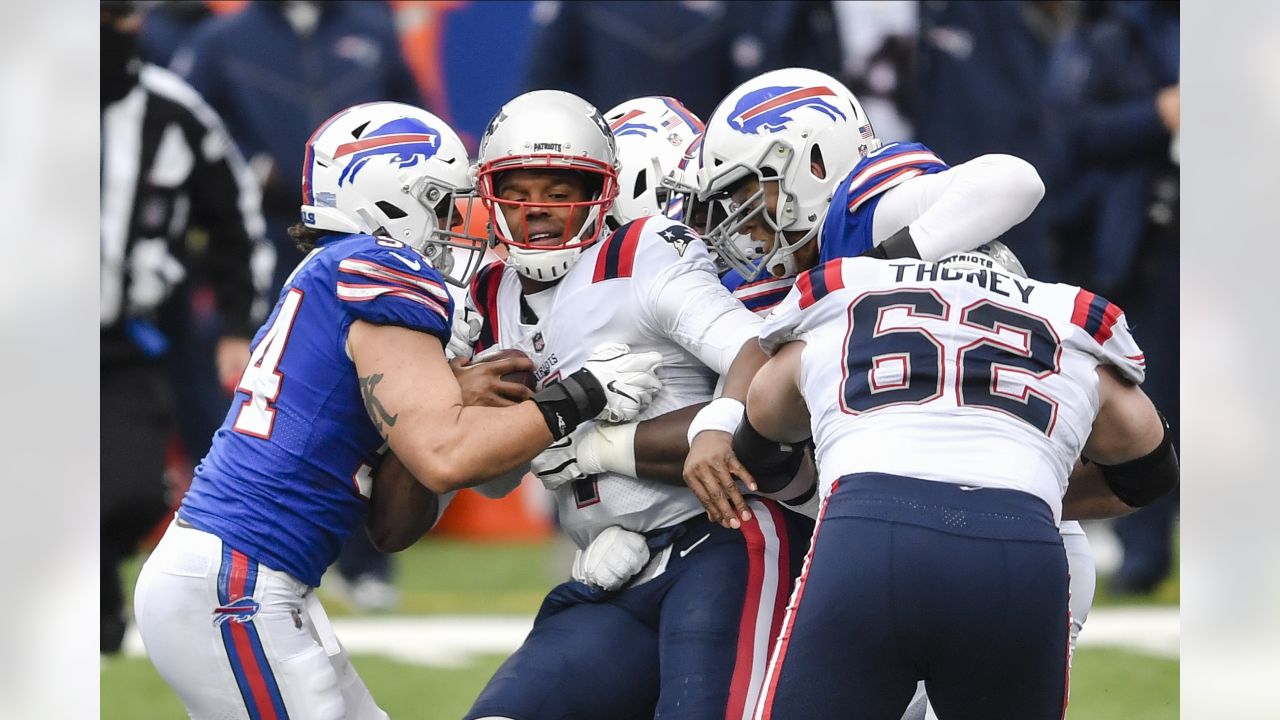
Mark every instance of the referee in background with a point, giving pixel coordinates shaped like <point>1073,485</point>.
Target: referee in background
<point>166,162</point>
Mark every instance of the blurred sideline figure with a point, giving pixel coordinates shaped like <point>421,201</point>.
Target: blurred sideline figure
<point>167,164</point>
<point>351,362</point>
<point>696,51</point>
<point>1120,192</point>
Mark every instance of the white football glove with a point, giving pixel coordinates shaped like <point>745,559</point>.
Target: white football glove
<point>592,448</point>
<point>630,381</point>
<point>558,464</point>
<point>467,323</point>
<point>612,559</point>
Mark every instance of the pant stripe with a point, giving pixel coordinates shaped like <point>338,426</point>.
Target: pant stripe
<point>237,578</point>
<point>764,710</point>
<point>1066,685</point>
<point>767,575</point>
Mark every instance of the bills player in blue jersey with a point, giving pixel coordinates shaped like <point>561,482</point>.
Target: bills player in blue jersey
<point>350,361</point>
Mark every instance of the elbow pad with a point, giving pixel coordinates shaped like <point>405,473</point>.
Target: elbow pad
<point>897,246</point>
<point>771,463</point>
<point>567,404</point>
<point>1142,481</point>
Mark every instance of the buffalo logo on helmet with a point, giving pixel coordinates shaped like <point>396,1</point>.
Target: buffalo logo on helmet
<point>240,610</point>
<point>623,126</point>
<point>767,109</point>
<point>405,140</point>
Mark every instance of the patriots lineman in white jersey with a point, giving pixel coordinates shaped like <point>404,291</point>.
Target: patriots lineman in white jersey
<point>697,618</point>
<point>350,361</point>
<point>948,403</point>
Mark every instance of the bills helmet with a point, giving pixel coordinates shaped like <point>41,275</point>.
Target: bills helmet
<point>395,171</point>
<point>654,135</point>
<point>798,128</point>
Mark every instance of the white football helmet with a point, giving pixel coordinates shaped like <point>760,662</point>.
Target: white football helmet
<point>653,135</point>
<point>548,130</point>
<point>780,127</point>
<point>682,188</point>
<point>991,255</point>
<point>396,171</point>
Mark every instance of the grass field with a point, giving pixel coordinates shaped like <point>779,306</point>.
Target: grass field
<point>440,577</point>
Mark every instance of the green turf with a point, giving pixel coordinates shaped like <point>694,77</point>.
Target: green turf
<point>440,576</point>
<point>1109,684</point>
<point>443,576</point>
<point>1106,685</point>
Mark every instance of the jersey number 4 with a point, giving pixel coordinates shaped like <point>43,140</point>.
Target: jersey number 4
<point>262,377</point>
<point>887,366</point>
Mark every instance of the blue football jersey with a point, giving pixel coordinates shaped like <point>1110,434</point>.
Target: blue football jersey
<point>846,231</point>
<point>288,475</point>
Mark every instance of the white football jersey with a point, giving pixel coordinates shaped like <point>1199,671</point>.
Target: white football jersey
<point>651,285</point>
<point>962,375</point>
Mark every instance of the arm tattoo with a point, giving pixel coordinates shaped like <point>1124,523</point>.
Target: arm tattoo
<point>377,413</point>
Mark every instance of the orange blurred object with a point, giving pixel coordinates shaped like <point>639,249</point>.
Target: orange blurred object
<point>522,516</point>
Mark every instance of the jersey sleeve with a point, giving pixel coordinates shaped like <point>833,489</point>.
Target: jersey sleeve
<point>1106,335</point>
<point>483,298</point>
<point>811,303</point>
<point>387,286</point>
<point>781,326</point>
<point>962,208</point>
<point>892,165</point>
<point>680,297</point>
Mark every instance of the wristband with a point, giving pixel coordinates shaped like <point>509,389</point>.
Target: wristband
<point>723,414</point>
<point>609,448</point>
<point>567,404</point>
<point>895,247</point>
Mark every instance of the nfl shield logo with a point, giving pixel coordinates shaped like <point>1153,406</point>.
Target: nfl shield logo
<point>538,344</point>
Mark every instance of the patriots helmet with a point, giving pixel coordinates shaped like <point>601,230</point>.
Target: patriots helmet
<point>799,128</point>
<point>548,130</point>
<point>992,255</point>
<point>395,171</point>
<point>653,135</point>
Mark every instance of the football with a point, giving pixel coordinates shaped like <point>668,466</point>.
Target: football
<point>524,377</point>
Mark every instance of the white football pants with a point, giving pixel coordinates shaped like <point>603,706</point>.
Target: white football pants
<point>236,639</point>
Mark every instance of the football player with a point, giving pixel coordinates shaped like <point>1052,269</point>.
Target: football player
<point>948,403</point>
<point>892,194</point>
<point>350,361</point>
<point>669,613</point>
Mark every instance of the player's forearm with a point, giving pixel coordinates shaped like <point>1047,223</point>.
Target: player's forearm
<point>751,357</point>
<point>661,446</point>
<point>401,509</point>
<point>988,195</point>
<point>1089,498</point>
<point>471,445</point>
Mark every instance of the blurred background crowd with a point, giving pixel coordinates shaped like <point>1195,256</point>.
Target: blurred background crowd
<point>196,249</point>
